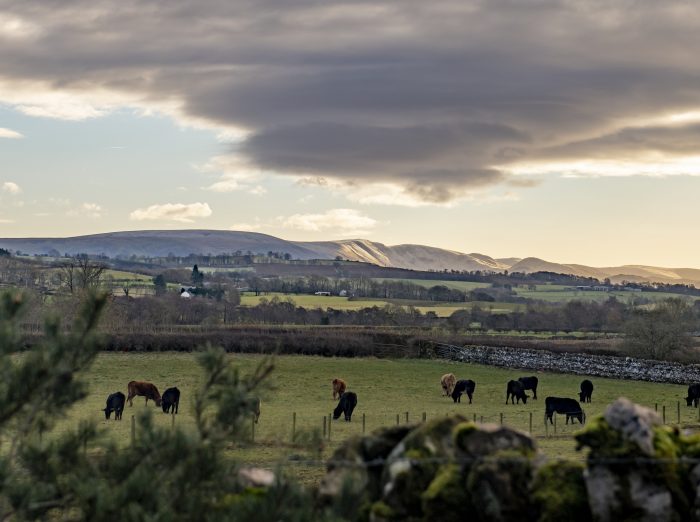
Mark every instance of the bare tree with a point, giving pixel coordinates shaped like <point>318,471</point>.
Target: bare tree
<point>80,273</point>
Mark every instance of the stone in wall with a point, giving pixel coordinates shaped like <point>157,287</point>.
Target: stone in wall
<point>581,364</point>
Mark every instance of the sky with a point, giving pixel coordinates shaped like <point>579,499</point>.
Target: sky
<point>562,129</point>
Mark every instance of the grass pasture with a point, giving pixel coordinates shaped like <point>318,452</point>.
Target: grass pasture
<point>441,309</point>
<point>386,388</point>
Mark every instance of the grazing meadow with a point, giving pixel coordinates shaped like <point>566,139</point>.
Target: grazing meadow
<point>298,396</point>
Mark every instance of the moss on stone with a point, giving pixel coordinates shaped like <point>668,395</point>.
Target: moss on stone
<point>604,441</point>
<point>381,511</point>
<point>667,443</point>
<point>559,490</point>
<point>498,487</point>
<point>446,498</point>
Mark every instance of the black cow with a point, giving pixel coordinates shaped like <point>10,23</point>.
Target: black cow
<point>515,391</point>
<point>170,400</point>
<point>529,383</point>
<point>115,403</point>
<point>463,386</point>
<point>693,395</point>
<point>569,407</point>
<point>346,405</point>
<point>586,391</point>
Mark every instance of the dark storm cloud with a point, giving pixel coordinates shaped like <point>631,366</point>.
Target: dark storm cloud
<point>427,95</point>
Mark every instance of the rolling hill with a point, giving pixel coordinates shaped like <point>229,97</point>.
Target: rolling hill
<point>161,243</point>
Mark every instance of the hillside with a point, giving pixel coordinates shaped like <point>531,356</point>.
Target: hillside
<point>161,243</point>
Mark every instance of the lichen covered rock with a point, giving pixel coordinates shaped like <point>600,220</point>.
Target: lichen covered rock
<point>356,466</point>
<point>414,462</point>
<point>631,471</point>
<point>499,485</point>
<point>559,491</point>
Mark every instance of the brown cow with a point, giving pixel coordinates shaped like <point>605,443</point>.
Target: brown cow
<point>447,382</point>
<point>144,389</point>
<point>339,387</point>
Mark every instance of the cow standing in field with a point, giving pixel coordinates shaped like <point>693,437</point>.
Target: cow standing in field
<point>143,389</point>
<point>115,403</point>
<point>339,388</point>
<point>463,386</point>
<point>586,391</point>
<point>569,407</point>
<point>447,382</point>
<point>170,400</point>
<point>346,405</point>
<point>515,392</point>
<point>693,395</point>
<point>530,383</point>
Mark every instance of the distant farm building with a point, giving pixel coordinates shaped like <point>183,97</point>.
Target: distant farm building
<point>322,293</point>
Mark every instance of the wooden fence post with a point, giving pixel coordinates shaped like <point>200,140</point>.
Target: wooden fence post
<point>663,413</point>
<point>678,411</point>
<point>530,423</point>
<point>481,419</point>
<point>363,423</point>
<point>324,426</point>
<point>133,430</point>
<point>252,429</point>
<point>475,418</point>
<point>397,419</point>
<point>330,418</point>
<point>425,416</point>
<point>555,423</point>
<point>501,414</point>
<point>294,425</point>
<point>656,406</point>
<point>406,417</point>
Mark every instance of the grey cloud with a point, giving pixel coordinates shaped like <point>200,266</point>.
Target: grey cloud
<point>675,140</point>
<point>428,95</point>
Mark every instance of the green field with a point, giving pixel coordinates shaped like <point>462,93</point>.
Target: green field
<point>563,294</point>
<point>314,301</point>
<point>386,388</point>
<point>464,286</point>
<point>345,303</point>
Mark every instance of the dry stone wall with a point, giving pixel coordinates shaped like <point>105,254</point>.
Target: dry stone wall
<point>576,363</point>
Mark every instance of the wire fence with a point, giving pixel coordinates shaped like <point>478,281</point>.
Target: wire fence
<point>537,425</point>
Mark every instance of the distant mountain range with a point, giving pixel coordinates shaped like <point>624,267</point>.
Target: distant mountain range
<point>160,243</point>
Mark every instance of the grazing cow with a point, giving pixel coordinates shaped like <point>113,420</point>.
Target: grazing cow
<point>463,386</point>
<point>515,392</point>
<point>447,382</point>
<point>115,403</point>
<point>256,409</point>
<point>693,395</point>
<point>170,400</point>
<point>144,389</point>
<point>346,405</point>
<point>586,391</point>
<point>569,407</point>
<point>530,383</point>
<point>339,387</point>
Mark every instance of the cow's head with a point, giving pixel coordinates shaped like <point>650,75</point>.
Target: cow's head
<point>108,412</point>
<point>159,402</point>
<point>689,401</point>
<point>524,398</point>
<point>581,396</point>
